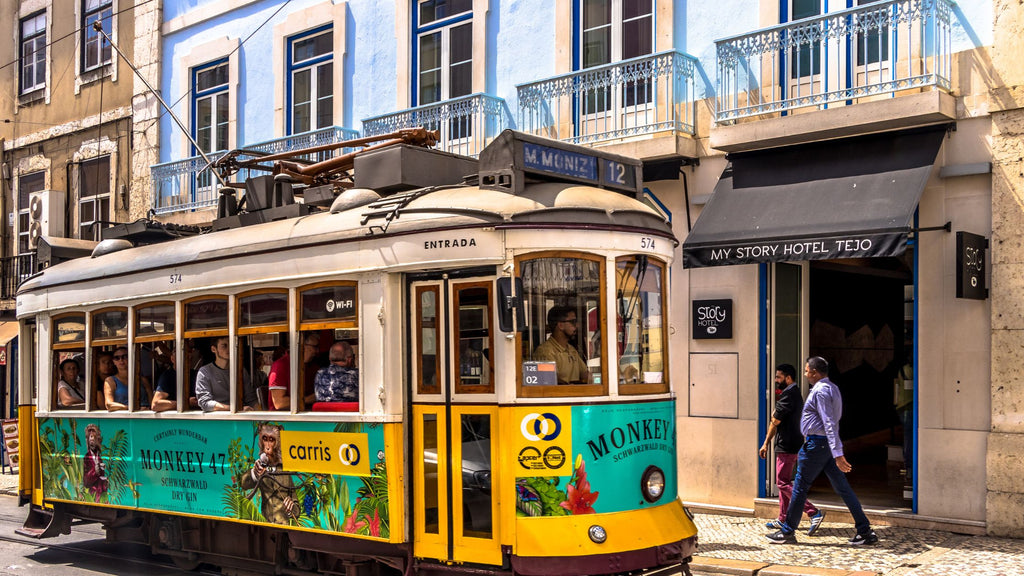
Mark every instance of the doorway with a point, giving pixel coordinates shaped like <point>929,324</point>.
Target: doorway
<point>454,419</point>
<point>858,314</point>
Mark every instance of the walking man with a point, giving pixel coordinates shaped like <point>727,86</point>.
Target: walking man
<point>785,429</point>
<point>822,452</point>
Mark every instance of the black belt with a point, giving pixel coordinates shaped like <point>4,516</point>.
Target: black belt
<point>816,437</point>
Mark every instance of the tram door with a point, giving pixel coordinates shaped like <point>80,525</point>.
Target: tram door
<point>454,422</point>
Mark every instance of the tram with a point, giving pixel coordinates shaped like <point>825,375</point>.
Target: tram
<point>394,361</point>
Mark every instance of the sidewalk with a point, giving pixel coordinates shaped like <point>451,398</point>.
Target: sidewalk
<point>8,483</point>
<point>737,545</point>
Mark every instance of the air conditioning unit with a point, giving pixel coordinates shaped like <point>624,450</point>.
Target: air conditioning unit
<point>46,210</point>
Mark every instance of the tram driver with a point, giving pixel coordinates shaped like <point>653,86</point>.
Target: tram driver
<point>213,388</point>
<point>562,324</point>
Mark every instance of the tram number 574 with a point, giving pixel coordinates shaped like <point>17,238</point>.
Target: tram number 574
<point>647,243</point>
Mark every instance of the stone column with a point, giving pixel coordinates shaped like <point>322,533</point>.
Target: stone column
<point>145,107</point>
<point>1005,472</point>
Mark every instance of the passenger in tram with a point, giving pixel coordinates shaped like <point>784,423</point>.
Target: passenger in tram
<point>213,384</point>
<point>280,382</point>
<point>165,396</point>
<point>104,368</point>
<point>115,387</point>
<point>338,381</point>
<point>569,365</point>
<point>69,393</point>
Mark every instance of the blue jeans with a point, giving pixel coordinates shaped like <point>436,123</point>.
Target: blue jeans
<point>814,458</point>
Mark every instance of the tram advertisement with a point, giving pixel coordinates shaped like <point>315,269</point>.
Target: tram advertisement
<point>606,447</point>
<point>317,475</point>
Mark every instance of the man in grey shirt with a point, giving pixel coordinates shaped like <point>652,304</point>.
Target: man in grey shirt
<point>822,452</point>
<point>213,383</point>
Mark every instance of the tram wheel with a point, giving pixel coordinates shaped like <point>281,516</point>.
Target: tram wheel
<point>185,562</point>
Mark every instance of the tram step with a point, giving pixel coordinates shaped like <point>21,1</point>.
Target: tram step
<point>43,523</point>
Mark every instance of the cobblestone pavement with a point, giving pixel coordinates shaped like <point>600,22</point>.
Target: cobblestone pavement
<point>737,545</point>
<point>8,483</point>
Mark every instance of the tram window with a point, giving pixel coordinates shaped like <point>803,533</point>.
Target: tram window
<point>640,323</point>
<point>329,333</point>
<point>428,369</point>
<point>563,296</point>
<point>476,475</point>
<point>473,327</point>
<point>206,314</point>
<point>109,335</point>
<point>69,389</point>
<point>430,471</point>
<point>263,338</point>
<point>154,355</point>
<point>196,355</point>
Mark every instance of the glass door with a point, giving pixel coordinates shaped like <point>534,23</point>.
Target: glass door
<point>788,344</point>
<point>454,420</point>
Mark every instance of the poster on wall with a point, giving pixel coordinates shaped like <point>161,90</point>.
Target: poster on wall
<point>712,319</point>
<point>10,428</point>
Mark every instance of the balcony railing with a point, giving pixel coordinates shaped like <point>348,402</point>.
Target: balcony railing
<point>874,50</point>
<point>633,97</point>
<point>188,185</point>
<point>13,271</point>
<point>467,123</point>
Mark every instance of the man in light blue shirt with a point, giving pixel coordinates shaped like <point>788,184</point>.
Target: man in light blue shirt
<point>822,452</point>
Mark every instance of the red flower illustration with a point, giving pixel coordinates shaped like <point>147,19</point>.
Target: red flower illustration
<point>351,526</point>
<point>579,499</point>
<point>375,524</point>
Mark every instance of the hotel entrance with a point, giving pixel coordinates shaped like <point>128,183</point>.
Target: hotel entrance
<point>859,315</point>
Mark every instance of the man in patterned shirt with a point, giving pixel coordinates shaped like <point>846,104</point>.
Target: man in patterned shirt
<point>339,381</point>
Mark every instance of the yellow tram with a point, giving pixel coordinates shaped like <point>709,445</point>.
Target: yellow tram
<point>430,364</point>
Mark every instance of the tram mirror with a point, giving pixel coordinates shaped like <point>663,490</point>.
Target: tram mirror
<point>509,302</point>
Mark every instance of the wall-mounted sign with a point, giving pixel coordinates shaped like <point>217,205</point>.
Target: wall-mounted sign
<point>712,319</point>
<point>970,266</point>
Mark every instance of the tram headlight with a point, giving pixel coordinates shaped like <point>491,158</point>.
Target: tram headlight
<point>597,534</point>
<point>652,484</point>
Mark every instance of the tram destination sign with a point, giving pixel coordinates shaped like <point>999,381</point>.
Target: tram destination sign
<point>970,266</point>
<point>527,155</point>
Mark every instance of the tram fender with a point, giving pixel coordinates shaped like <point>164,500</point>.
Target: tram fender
<point>45,523</point>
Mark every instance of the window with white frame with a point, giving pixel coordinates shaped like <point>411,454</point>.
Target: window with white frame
<point>311,80</point>
<point>443,42</point>
<point>27,185</point>
<point>94,196</point>
<point>612,31</point>
<point>210,99</point>
<point>96,50</point>
<point>33,52</point>
<point>873,46</point>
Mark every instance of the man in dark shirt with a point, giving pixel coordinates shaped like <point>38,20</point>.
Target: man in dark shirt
<point>785,428</point>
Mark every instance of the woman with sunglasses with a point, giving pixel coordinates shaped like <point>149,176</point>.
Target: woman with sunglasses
<point>115,387</point>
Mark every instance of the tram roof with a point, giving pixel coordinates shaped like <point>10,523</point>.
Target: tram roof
<point>444,208</point>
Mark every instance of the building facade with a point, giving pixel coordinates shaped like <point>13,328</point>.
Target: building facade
<point>826,166</point>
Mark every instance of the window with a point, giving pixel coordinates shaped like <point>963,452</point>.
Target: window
<point>311,71</point>
<point>94,197</point>
<point>96,50</point>
<point>475,339</point>
<point>612,31</point>
<point>33,53</point>
<point>641,341</point>
<point>208,348</point>
<point>108,343</point>
<point>444,50</point>
<point>27,185</point>
<point>210,106</point>
<point>263,339</point>
<point>561,348</point>
<point>806,60</point>
<point>427,341</point>
<point>873,46</point>
<point>329,348</point>
<point>71,387</point>
<point>155,354</point>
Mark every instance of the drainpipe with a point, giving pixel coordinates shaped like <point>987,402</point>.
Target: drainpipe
<point>4,188</point>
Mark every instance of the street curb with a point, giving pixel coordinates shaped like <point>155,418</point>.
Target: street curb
<point>703,565</point>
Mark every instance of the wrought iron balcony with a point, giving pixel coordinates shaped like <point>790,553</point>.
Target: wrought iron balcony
<point>633,97</point>
<point>870,51</point>
<point>189,185</point>
<point>467,123</point>
<point>13,271</point>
